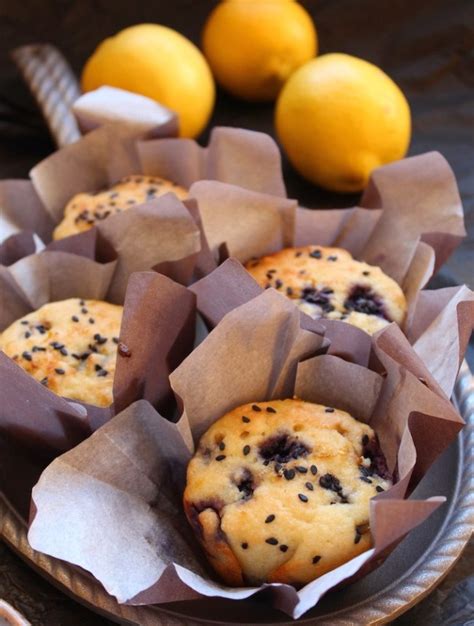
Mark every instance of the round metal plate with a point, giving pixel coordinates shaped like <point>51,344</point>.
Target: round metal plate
<point>418,564</point>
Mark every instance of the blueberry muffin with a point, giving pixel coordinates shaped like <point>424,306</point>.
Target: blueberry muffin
<point>279,491</point>
<point>69,347</point>
<point>85,209</point>
<point>328,283</point>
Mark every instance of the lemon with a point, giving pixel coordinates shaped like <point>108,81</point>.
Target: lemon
<point>338,118</point>
<point>157,62</point>
<point>254,45</point>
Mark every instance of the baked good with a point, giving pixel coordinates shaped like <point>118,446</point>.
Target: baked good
<point>85,209</point>
<point>328,283</point>
<point>279,491</point>
<point>69,346</point>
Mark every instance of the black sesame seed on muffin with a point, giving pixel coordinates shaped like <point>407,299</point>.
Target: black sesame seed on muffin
<point>328,283</point>
<point>60,348</point>
<point>290,500</point>
<point>84,210</point>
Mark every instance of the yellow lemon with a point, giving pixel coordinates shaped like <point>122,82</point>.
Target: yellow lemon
<point>338,118</point>
<point>254,45</point>
<point>157,62</point>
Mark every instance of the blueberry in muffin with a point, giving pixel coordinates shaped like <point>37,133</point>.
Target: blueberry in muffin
<point>279,491</point>
<point>328,283</point>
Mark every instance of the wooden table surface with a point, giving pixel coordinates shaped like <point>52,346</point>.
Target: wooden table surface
<point>427,46</point>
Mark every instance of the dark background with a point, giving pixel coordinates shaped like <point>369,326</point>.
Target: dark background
<point>426,46</point>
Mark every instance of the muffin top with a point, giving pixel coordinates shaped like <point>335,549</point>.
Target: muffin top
<point>84,210</point>
<point>70,347</point>
<point>328,283</point>
<point>279,491</point>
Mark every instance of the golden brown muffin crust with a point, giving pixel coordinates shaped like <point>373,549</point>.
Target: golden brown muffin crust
<point>328,283</point>
<point>279,491</point>
<point>70,347</point>
<point>84,210</point>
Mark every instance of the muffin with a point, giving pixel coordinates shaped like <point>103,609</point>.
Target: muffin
<point>328,283</point>
<point>279,491</point>
<point>85,209</point>
<point>70,347</point>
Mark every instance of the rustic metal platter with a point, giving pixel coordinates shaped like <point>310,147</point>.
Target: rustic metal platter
<point>418,564</point>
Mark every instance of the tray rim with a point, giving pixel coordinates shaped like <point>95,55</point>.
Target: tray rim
<point>394,600</point>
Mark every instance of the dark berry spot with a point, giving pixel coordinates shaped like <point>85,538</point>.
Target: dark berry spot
<point>301,469</point>
<point>256,408</point>
<point>245,484</point>
<point>309,486</point>
<point>244,545</point>
<point>302,497</point>
<point>245,419</point>
<point>222,446</point>
<point>365,479</point>
<point>59,370</point>
<point>316,559</point>
<point>282,448</point>
<point>220,457</point>
<point>289,474</point>
<point>75,318</point>
<point>365,471</point>
<point>314,296</point>
<point>315,254</point>
<point>273,541</point>
<point>329,409</point>
<point>366,273</point>
<point>333,257</point>
<point>314,470</point>
<point>246,450</point>
<point>27,356</point>
<point>270,409</point>
<point>379,489</point>
<point>283,547</point>
<point>363,300</point>
<point>269,519</point>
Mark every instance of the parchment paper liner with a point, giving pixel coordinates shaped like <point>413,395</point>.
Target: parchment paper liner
<point>158,326</point>
<point>441,324</point>
<point>417,203</point>
<point>114,150</point>
<point>110,104</point>
<point>123,521</point>
<point>418,224</point>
